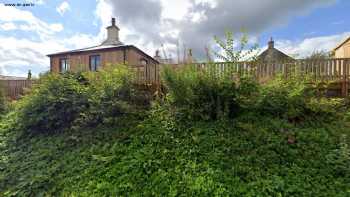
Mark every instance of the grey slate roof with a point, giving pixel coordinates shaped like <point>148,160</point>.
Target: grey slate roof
<point>271,54</point>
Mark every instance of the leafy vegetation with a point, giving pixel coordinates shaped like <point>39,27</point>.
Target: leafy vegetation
<point>60,102</point>
<point>201,95</point>
<point>162,156</point>
<point>3,102</point>
<point>53,105</point>
<point>214,134</point>
<point>296,99</point>
<point>235,49</point>
<point>207,95</point>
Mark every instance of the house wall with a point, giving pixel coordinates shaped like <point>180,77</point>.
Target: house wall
<point>343,51</point>
<point>132,57</point>
<point>80,61</point>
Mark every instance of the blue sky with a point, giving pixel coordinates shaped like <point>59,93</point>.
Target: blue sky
<point>322,21</point>
<point>299,27</point>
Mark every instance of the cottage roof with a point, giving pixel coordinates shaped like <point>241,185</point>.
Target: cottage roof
<point>111,43</point>
<point>100,48</point>
<point>342,43</point>
<point>273,54</point>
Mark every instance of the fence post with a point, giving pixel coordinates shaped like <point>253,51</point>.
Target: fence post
<point>345,85</point>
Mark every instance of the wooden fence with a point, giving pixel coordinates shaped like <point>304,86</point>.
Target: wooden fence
<point>14,89</point>
<point>321,70</point>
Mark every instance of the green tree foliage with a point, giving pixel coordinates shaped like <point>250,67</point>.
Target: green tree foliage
<point>53,104</point>
<point>319,55</point>
<point>81,99</point>
<point>235,50</point>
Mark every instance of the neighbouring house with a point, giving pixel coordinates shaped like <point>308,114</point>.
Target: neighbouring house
<point>343,49</point>
<point>271,54</point>
<point>111,51</point>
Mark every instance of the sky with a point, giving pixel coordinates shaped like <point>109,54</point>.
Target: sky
<point>31,29</point>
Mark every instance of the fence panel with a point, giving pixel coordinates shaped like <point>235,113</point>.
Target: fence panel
<point>14,89</point>
<point>327,70</point>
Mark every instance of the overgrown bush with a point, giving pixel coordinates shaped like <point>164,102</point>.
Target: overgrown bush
<point>295,99</point>
<point>112,94</point>
<point>77,99</point>
<point>53,104</point>
<point>206,94</point>
<point>210,95</point>
<point>213,93</point>
<point>3,102</point>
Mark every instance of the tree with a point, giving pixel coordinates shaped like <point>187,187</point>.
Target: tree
<point>319,55</point>
<point>235,50</point>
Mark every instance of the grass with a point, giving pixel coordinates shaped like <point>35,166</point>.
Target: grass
<point>159,156</point>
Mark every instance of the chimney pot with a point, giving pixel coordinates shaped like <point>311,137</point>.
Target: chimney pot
<point>112,35</point>
<point>271,43</point>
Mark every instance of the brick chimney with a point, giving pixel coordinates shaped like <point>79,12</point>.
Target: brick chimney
<point>271,43</point>
<point>112,35</point>
<point>157,56</point>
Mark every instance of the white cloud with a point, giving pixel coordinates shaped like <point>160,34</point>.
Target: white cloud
<point>63,8</point>
<point>175,10</point>
<point>103,13</point>
<point>18,55</point>
<point>37,2</point>
<point>197,21</point>
<point>309,45</point>
<point>8,26</point>
<point>56,27</point>
<point>28,22</point>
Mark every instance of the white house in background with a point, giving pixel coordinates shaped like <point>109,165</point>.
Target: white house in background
<point>343,49</point>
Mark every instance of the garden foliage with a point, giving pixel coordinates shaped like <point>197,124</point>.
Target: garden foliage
<point>61,101</point>
<point>200,94</point>
<point>3,102</point>
<point>214,134</point>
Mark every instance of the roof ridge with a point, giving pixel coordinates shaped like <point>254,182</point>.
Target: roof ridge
<point>88,48</point>
<point>339,45</point>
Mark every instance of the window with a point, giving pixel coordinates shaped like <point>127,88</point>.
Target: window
<point>64,65</point>
<point>95,62</point>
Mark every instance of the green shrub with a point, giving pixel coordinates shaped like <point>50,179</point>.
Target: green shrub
<point>3,102</point>
<point>53,104</point>
<point>296,99</point>
<point>200,94</point>
<point>339,158</point>
<point>284,98</point>
<point>79,99</point>
<point>112,94</point>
